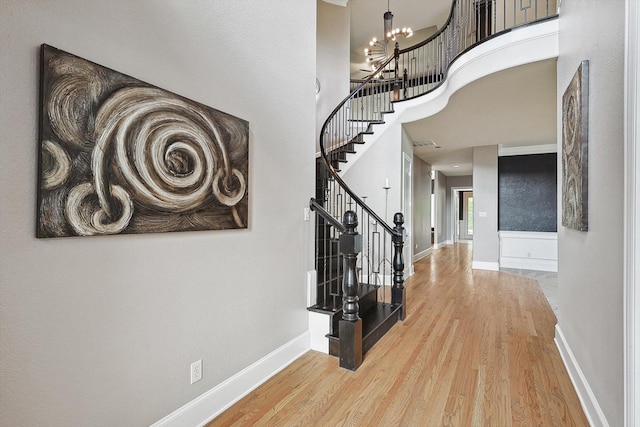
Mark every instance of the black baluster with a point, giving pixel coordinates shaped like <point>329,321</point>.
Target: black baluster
<point>396,86</point>
<point>350,328</point>
<point>405,83</point>
<point>398,295</point>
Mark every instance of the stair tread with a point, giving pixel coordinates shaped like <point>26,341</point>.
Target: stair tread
<point>374,122</point>
<point>373,318</point>
<point>376,322</point>
<point>365,289</point>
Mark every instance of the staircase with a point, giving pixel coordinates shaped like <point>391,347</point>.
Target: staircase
<point>377,315</point>
<point>359,259</point>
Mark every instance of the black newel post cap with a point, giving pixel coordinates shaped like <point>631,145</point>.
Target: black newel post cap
<point>350,241</point>
<point>398,219</point>
<point>350,220</point>
<point>399,231</point>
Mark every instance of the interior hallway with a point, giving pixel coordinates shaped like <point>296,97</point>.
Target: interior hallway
<point>476,349</point>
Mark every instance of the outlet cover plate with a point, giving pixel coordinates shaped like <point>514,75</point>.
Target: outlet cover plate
<point>196,371</point>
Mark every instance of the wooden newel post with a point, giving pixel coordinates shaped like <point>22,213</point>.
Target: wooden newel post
<point>397,292</point>
<point>350,328</point>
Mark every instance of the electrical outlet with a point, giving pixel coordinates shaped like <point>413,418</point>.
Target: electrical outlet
<point>196,371</point>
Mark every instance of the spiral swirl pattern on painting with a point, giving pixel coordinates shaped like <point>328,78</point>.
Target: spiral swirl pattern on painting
<point>169,153</point>
<point>72,98</point>
<point>118,155</point>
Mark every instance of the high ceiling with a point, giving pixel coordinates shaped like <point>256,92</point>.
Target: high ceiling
<point>367,22</point>
<point>512,108</point>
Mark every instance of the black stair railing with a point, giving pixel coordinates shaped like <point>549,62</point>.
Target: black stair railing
<point>409,73</point>
<point>349,246</point>
<point>420,69</point>
<point>341,133</point>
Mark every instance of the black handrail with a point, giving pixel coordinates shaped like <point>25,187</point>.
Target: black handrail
<point>330,167</point>
<point>317,207</point>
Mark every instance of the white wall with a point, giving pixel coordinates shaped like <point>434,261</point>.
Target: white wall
<point>102,330</point>
<point>406,171</point>
<point>367,175</point>
<point>590,269</point>
<point>485,207</point>
<point>332,62</point>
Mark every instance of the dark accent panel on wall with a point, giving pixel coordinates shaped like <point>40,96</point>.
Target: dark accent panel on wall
<point>527,192</point>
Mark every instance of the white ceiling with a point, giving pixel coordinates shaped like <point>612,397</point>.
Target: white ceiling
<point>513,108</point>
<point>367,22</point>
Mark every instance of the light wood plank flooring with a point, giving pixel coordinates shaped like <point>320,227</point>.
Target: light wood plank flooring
<point>476,349</point>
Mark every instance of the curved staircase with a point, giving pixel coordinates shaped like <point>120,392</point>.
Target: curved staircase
<point>359,261</point>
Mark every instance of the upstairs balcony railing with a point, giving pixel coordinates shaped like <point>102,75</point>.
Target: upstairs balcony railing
<point>421,68</point>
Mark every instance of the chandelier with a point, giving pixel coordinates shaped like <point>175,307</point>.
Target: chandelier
<point>377,53</point>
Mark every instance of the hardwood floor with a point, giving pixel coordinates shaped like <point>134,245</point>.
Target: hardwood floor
<point>476,349</point>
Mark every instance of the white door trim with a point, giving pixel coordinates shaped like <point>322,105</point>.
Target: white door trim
<point>464,224</point>
<point>407,209</point>
<point>631,216</point>
<point>454,209</point>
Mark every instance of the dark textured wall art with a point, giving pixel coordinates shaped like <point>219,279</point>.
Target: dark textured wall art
<point>528,192</point>
<point>575,150</point>
<point>118,155</point>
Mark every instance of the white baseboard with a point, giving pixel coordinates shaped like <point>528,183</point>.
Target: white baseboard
<point>442,244</point>
<point>215,401</point>
<point>417,257</point>
<point>590,405</point>
<point>484,265</point>
<point>529,264</point>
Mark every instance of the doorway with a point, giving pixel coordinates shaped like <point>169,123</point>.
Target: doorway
<point>462,214</point>
<point>407,210</point>
<point>465,229</point>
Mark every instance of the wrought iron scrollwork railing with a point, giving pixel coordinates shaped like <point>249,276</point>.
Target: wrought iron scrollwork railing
<point>407,74</point>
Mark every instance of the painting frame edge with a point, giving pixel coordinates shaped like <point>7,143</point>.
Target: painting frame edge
<point>43,130</point>
<point>579,81</point>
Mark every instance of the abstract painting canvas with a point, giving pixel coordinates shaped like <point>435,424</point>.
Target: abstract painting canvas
<point>118,155</point>
<point>575,150</point>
